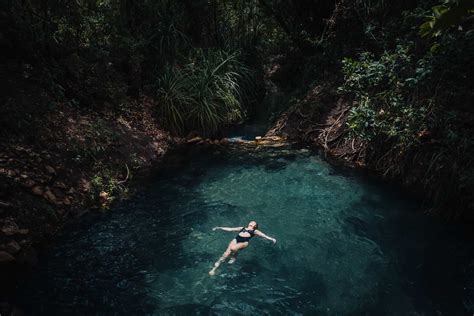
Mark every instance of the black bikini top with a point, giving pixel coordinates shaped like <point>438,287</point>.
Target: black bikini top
<point>251,232</point>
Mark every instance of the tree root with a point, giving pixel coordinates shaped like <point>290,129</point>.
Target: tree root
<point>127,176</point>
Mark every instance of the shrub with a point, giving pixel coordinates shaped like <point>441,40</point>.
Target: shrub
<point>205,94</point>
<point>384,91</point>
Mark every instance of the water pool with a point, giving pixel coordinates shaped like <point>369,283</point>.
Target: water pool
<point>346,246</point>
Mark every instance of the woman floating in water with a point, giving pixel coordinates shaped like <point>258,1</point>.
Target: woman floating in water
<point>240,242</point>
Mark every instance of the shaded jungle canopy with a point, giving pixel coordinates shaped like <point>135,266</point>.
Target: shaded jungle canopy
<point>405,66</point>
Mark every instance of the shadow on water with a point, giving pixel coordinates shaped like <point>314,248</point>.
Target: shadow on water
<point>428,255</point>
<point>90,259</point>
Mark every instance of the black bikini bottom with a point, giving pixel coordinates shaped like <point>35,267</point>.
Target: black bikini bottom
<point>240,239</point>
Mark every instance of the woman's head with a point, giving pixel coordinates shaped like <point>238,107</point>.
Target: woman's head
<point>253,225</point>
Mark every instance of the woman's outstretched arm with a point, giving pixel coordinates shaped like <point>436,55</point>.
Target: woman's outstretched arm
<point>259,233</point>
<point>228,229</point>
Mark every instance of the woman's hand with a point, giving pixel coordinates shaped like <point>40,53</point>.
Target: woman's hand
<point>274,240</point>
<point>215,228</point>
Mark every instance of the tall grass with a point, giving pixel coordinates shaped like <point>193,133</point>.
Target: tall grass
<point>205,94</point>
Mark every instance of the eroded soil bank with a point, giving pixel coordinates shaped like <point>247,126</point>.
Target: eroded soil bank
<point>320,119</point>
<point>75,162</point>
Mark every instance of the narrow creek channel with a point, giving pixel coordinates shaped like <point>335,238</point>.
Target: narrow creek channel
<point>346,246</point>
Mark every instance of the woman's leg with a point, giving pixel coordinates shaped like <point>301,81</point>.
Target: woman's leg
<point>233,257</point>
<point>235,249</point>
<point>224,256</point>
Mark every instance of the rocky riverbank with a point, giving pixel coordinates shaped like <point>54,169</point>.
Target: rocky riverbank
<point>319,119</point>
<point>75,162</point>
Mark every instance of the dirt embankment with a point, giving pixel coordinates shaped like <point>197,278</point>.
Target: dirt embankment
<point>74,162</point>
<point>319,119</point>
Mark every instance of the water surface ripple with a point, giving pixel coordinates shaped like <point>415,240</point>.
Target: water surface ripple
<point>346,246</point>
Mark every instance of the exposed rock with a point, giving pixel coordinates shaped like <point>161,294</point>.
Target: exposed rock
<point>10,173</point>
<point>274,138</point>
<point>48,195</point>
<point>60,185</point>
<point>50,170</point>
<point>194,140</point>
<point>192,134</point>
<point>160,151</point>
<point>29,183</point>
<point>37,190</point>
<point>276,145</point>
<point>5,257</point>
<point>9,227</point>
<point>13,247</point>
<point>258,137</point>
<point>23,231</point>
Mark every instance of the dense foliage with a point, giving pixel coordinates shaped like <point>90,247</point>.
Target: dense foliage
<point>406,64</point>
<point>413,103</point>
<point>94,54</point>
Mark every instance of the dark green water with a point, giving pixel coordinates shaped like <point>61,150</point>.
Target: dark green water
<point>346,246</point>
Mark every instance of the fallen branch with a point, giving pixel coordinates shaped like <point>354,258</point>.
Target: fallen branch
<point>126,177</point>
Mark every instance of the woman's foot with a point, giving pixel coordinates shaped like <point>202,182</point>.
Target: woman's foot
<point>216,265</point>
<point>232,260</point>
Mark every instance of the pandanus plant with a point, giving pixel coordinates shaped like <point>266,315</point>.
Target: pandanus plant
<point>205,94</point>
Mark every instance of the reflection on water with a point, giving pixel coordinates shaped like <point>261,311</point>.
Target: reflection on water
<point>346,246</point>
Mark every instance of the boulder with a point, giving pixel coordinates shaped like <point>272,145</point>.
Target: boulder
<point>5,257</point>
<point>274,138</point>
<point>60,185</point>
<point>37,190</point>
<point>48,195</point>
<point>194,140</point>
<point>50,170</point>
<point>9,227</point>
<point>29,183</point>
<point>13,247</point>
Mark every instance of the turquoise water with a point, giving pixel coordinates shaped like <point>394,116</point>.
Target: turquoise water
<point>345,246</point>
